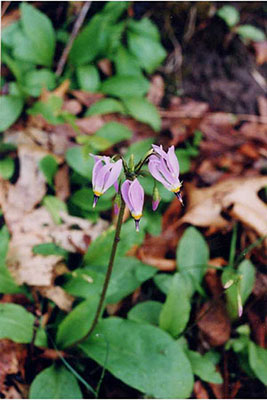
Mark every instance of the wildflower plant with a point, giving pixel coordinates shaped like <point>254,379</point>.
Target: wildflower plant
<point>109,171</point>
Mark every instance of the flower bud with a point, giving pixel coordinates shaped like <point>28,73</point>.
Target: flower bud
<point>117,204</point>
<point>156,198</point>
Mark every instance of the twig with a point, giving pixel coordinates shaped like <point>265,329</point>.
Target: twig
<point>73,35</point>
<point>108,274</point>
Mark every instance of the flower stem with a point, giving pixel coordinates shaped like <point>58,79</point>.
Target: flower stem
<point>108,274</point>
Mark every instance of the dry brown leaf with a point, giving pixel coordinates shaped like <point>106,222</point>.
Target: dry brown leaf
<point>214,323</point>
<point>105,66</point>
<point>62,183</point>
<point>55,293</point>
<point>261,52</point>
<point>87,98</point>
<point>156,90</point>
<point>200,391</point>
<point>205,205</point>
<point>72,106</point>
<point>90,125</point>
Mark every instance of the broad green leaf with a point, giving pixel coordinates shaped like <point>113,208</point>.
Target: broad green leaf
<point>203,368</point>
<point>184,160</point>
<point>163,282</point>
<point>36,80</point>
<point>251,32</point>
<point>97,143</point>
<point>4,240</point>
<point>88,78</point>
<point>114,34</point>
<point>243,282</point>
<point>128,238</point>
<point>149,52</point>
<point>7,168</point>
<point>55,382</point>
<point>229,14</point>
<point>7,283</point>
<point>114,132</point>
<point>16,323</point>
<point>78,322</point>
<point>50,110</point>
<point>49,167</point>
<point>79,163</point>
<point>192,254</point>
<point>139,149</point>
<point>10,34</point>
<point>105,106</point>
<point>142,356</point>
<point>41,338</point>
<point>6,147</point>
<point>114,9</point>
<point>83,198</point>
<point>142,110</point>
<point>127,275</point>
<point>48,249</point>
<point>40,33</point>
<point>145,27</point>
<point>175,312</point>
<point>10,109</point>
<point>125,86</point>
<point>126,63</point>
<point>153,222</point>
<point>146,312</point>
<point>258,361</point>
<point>54,205</point>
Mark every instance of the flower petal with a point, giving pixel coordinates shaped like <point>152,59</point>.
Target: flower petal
<point>113,176</point>
<point>136,196</point>
<point>173,161</point>
<point>125,193</point>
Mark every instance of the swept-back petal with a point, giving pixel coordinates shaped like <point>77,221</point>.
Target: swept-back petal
<point>155,172</point>
<point>136,196</point>
<point>97,167</point>
<point>125,193</point>
<point>115,171</point>
<point>173,161</point>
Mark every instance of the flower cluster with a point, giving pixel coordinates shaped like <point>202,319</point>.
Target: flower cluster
<point>163,166</point>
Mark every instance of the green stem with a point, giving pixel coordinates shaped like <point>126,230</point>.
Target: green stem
<point>108,274</point>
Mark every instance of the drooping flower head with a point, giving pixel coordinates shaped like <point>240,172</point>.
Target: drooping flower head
<point>105,174</point>
<point>165,168</point>
<point>133,195</point>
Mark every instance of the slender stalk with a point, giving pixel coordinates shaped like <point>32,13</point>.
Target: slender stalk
<point>108,274</point>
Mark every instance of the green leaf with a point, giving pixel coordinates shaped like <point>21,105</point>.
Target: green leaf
<point>54,206</point>
<point>10,34</point>
<point>88,78</point>
<point>145,27</point>
<point>129,238</point>
<point>40,33</point>
<point>139,149</point>
<point>142,110</point>
<point>243,281</point>
<point>154,222</point>
<point>148,51</point>
<point>126,63</point>
<point>10,109</point>
<point>4,240</point>
<point>48,249</point>
<point>192,254</point>
<point>251,32</point>
<point>142,356</point>
<point>50,110</point>
<point>125,86</point>
<point>146,312</point>
<point>36,80</point>
<point>94,142</point>
<point>229,14</point>
<point>79,163</point>
<point>78,322</point>
<point>115,9</point>
<point>258,361</point>
<point>114,132</point>
<point>15,323</point>
<point>163,282</point>
<point>55,383</point>
<point>175,312</point>
<point>105,106</point>
<point>203,368</point>
<point>7,168</point>
<point>49,167</point>
<point>184,160</point>
<point>83,198</point>
<point>127,275</point>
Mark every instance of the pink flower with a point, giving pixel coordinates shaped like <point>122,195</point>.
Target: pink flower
<point>105,174</point>
<point>133,195</point>
<point>165,168</point>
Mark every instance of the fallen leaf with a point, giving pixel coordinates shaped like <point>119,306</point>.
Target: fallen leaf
<point>200,391</point>
<point>156,90</point>
<point>62,183</point>
<point>87,98</point>
<point>90,125</point>
<point>55,293</point>
<point>260,51</point>
<point>214,323</point>
<point>241,194</point>
<point>72,106</point>
<point>262,103</point>
<point>105,66</point>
